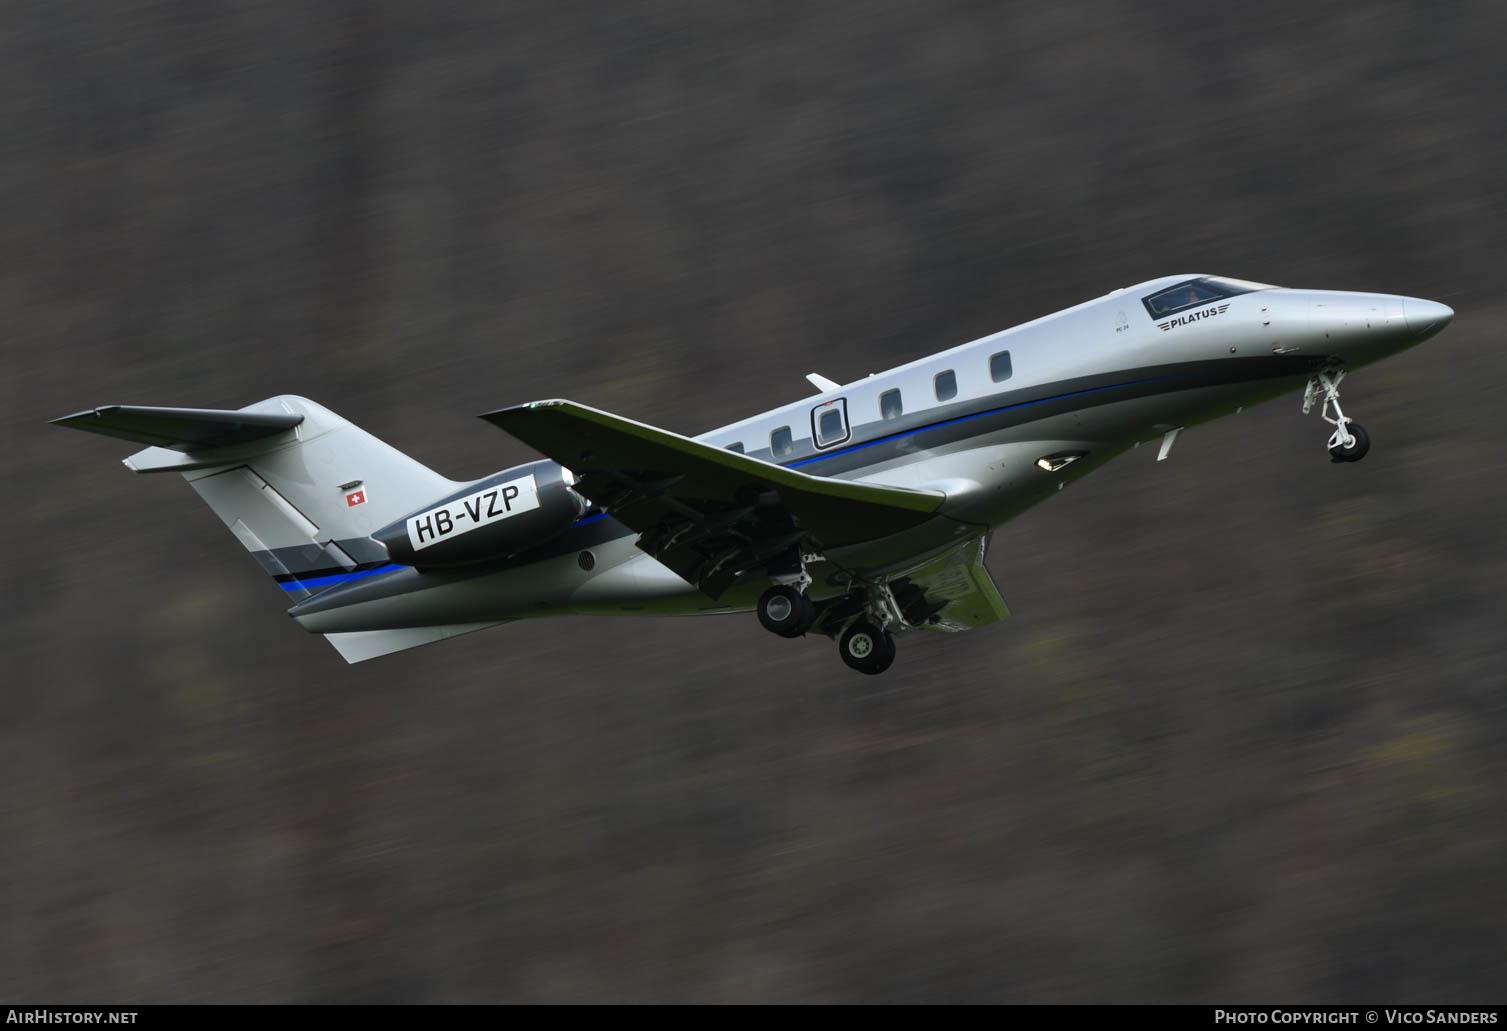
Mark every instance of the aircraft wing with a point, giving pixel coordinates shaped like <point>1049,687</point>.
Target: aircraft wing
<point>707,513</point>
<point>961,585</point>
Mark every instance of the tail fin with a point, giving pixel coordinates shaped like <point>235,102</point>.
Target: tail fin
<point>301,488</point>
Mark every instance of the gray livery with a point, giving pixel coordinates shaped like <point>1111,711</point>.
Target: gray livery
<point>859,513</point>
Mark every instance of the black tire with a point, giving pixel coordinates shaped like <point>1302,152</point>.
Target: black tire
<point>866,648</point>
<point>1357,449</point>
<point>786,611</point>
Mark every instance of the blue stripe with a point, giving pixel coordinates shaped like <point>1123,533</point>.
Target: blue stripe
<point>588,520</point>
<point>338,578</point>
<point>976,415</point>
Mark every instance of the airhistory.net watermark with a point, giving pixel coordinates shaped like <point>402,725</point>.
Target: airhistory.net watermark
<point>40,1015</point>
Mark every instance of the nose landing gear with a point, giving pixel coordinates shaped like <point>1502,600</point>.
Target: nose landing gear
<point>1360,443</point>
<point>1349,442</point>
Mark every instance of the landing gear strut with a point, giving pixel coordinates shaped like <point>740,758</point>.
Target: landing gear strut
<point>1348,443</point>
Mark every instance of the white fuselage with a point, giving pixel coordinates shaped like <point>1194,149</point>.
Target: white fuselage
<point>1087,382</point>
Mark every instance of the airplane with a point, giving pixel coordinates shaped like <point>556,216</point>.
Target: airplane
<point>859,513</point>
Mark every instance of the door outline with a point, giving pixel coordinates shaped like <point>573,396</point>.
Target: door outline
<point>841,406</point>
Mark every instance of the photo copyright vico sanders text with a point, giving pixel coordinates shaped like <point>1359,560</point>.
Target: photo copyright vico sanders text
<point>1377,1016</point>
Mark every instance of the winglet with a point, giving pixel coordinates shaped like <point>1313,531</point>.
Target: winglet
<point>822,383</point>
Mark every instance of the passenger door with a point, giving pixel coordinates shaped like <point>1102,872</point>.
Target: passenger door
<point>829,423</point>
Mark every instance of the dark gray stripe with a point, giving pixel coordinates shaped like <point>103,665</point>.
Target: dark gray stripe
<point>577,538</point>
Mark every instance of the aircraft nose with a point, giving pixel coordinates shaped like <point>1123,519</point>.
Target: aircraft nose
<point>1425,318</point>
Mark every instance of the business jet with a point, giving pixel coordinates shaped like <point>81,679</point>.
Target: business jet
<point>860,513</point>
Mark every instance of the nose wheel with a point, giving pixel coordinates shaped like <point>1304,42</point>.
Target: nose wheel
<point>1355,450</point>
<point>1348,442</point>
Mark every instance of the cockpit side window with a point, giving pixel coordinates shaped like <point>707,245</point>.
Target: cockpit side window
<point>1193,293</point>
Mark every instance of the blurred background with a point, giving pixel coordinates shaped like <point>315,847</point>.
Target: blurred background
<point>1240,740</point>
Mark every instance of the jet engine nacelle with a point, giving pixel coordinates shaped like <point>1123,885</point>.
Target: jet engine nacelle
<point>502,515</point>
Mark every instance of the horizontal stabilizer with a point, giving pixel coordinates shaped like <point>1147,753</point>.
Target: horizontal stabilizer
<point>360,645</point>
<point>181,429</point>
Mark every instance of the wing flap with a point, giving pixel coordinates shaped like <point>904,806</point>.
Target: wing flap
<point>959,587</point>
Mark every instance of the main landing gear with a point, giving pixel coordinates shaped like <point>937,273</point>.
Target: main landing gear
<point>784,609</point>
<point>1348,443</point>
<point>866,644</point>
<point>867,648</point>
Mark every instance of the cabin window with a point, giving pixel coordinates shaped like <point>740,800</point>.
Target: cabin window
<point>947,385</point>
<point>999,367</point>
<point>780,443</point>
<point>829,422</point>
<point>737,446</point>
<point>890,406</point>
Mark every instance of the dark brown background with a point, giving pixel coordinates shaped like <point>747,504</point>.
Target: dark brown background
<point>1241,740</point>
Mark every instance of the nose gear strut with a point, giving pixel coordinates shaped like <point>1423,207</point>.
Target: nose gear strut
<point>1349,442</point>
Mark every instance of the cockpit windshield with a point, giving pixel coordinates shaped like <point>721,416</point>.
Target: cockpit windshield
<point>1195,292</point>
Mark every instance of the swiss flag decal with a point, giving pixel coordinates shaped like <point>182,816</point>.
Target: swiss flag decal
<point>355,497</point>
